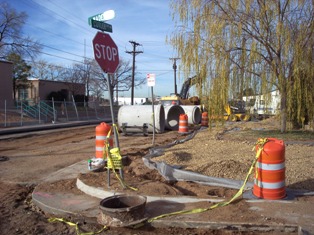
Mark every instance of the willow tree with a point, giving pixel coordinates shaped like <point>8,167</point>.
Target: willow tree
<point>238,45</point>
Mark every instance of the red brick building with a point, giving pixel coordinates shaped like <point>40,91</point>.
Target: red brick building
<point>6,87</point>
<point>39,90</point>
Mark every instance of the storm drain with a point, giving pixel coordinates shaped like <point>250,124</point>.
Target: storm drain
<point>122,210</point>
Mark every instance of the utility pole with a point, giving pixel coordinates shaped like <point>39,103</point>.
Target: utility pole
<point>134,53</point>
<point>175,72</point>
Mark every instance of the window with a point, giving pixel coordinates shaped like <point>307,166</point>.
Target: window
<point>22,94</point>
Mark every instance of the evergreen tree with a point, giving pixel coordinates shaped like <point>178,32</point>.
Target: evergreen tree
<point>21,72</point>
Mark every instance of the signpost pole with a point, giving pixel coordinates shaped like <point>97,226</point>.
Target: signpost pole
<point>151,82</point>
<point>152,91</point>
<point>112,113</point>
<point>116,139</point>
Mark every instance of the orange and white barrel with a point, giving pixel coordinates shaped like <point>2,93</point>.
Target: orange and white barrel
<point>102,131</point>
<point>269,182</point>
<point>204,121</point>
<point>183,124</point>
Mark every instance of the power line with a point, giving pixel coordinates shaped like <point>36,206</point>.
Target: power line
<point>58,35</point>
<point>66,20</point>
<point>61,17</point>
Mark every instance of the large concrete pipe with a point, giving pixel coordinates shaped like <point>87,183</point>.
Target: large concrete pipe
<point>139,118</point>
<point>172,114</point>
<point>194,113</point>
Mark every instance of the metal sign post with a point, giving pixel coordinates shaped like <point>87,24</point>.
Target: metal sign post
<point>116,139</point>
<point>151,82</point>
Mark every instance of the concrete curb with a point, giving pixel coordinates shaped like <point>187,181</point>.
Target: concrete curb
<point>101,193</point>
<point>41,127</point>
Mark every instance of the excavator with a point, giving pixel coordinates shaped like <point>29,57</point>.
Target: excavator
<point>234,110</point>
<point>182,98</point>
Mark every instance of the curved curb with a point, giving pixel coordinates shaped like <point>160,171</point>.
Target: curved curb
<point>101,193</point>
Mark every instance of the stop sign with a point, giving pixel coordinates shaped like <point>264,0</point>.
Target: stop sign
<point>106,52</point>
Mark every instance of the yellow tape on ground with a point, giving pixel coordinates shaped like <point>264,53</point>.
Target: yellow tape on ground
<point>51,220</point>
<point>260,145</point>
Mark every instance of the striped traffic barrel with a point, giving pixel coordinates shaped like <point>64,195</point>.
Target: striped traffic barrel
<point>102,131</point>
<point>183,124</point>
<point>204,121</point>
<point>269,181</point>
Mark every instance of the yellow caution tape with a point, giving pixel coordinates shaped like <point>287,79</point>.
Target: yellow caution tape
<point>114,161</point>
<point>109,156</point>
<point>260,145</point>
<point>51,220</point>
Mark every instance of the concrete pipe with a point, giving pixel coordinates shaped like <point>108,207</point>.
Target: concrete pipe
<point>194,114</point>
<point>172,114</point>
<point>138,118</point>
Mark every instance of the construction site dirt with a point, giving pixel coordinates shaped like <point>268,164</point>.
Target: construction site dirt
<point>26,160</point>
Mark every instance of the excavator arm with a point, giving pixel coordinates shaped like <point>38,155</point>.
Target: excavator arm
<point>184,93</point>
<point>182,98</point>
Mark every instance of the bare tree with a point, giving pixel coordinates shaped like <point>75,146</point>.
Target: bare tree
<point>95,80</point>
<point>73,78</point>
<point>235,45</point>
<point>120,81</point>
<point>11,38</point>
<point>41,69</point>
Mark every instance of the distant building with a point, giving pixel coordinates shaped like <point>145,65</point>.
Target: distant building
<point>40,89</point>
<point>127,100</point>
<point>265,104</point>
<point>6,88</point>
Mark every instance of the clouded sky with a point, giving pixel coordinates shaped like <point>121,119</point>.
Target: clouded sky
<point>62,27</point>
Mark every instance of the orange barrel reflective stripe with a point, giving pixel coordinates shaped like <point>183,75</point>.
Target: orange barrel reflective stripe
<point>183,124</point>
<point>269,182</point>
<point>102,131</point>
<point>204,121</point>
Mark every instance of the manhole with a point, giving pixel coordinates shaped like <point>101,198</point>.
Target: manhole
<point>3,158</point>
<point>122,210</point>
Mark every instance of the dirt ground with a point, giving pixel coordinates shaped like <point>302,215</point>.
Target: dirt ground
<point>27,159</point>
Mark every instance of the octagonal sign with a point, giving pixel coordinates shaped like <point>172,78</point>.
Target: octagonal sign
<point>106,52</point>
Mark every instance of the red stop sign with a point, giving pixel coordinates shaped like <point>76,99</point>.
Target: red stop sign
<point>106,52</point>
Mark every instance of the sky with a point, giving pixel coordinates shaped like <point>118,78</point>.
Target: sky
<point>61,26</point>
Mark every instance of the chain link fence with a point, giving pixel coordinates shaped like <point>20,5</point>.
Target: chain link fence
<point>49,111</point>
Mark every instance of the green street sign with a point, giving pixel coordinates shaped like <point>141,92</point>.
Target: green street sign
<point>101,26</point>
<point>99,17</point>
<point>107,15</point>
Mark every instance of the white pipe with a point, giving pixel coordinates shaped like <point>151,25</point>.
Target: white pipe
<point>194,114</point>
<point>172,113</point>
<point>134,117</point>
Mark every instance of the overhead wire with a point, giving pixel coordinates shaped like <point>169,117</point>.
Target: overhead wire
<point>39,7</point>
<point>66,19</point>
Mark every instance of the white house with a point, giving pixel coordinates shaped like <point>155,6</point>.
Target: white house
<point>127,100</point>
<point>264,105</point>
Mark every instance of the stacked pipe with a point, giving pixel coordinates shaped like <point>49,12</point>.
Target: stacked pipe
<point>134,117</point>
